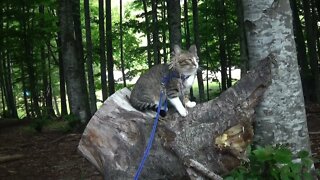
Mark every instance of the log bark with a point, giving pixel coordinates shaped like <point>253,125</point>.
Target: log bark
<point>184,147</point>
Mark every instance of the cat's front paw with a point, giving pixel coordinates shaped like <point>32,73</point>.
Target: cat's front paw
<point>183,112</point>
<point>191,104</point>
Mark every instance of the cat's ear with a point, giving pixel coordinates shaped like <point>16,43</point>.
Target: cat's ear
<point>193,49</point>
<point>177,49</point>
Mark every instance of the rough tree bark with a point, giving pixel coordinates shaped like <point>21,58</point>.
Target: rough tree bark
<point>281,117</point>
<point>115,138</point>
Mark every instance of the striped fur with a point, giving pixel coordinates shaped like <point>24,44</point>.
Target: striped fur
<point>146,92</point>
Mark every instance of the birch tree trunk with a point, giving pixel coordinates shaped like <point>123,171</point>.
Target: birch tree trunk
<point>281,115</point>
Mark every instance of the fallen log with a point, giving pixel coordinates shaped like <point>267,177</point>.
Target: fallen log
<point>207,143</point>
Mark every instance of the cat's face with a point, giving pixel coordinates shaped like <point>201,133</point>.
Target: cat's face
<point>185,62</point>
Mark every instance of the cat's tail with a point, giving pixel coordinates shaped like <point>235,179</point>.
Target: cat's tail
<point>136,103</point>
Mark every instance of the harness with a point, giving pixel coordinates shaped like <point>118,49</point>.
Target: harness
<point>165,80</point>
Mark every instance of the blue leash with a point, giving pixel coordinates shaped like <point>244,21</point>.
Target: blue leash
<point>153,132</point>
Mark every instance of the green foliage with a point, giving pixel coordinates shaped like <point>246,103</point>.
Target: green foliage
<point>274,163</point>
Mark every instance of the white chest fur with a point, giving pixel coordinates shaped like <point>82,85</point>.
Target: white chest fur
<point>189,81</point>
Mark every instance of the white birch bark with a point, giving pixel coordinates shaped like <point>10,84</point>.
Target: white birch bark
<point>281,117</point>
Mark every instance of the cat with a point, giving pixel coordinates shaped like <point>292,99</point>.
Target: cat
<point>174,79</point>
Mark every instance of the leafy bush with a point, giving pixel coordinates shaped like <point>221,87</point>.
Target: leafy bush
<point>274,163</point>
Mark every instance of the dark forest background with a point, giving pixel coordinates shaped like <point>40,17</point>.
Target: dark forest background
<point>62,59</point>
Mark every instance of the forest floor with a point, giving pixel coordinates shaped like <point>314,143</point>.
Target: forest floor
<point>53,154</point>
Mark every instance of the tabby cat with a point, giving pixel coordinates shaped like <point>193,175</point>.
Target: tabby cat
<point>174,79</point>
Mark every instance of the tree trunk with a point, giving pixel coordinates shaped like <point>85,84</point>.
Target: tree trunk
<point>164,36</point>
<point>312,47</point>
<point>187,35</point>
<point>186,23</point>
<point>111,83</point>
<point>92,89</point>
<point>280,117</point>
<point>121,48</point>
<point>79,52</point>
<point>222,46</point>
<point>174,23</point>
<point>197,42</point>
<point>10,100</point>
<point>102,48</point>
<point>301,51</point>
<point>244,59</point>
<point>2,84</point>
<point>116,136</point>
<point>62,82</point>
<point>155,32</point>
<point>73,67</point>
<point>48,97</point>
<point>31,71</point>
<point>47,109</point>
<point>24,89</point>
<point>147,32</point>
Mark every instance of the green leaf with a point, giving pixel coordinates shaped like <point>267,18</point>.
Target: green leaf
<point>295,168</point>
<point>303,154</point>
<point>283,155</point>
<point>263,154</point>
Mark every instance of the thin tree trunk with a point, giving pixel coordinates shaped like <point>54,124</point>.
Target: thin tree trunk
<point>11,103</point>
<point>155,32</point>
<point>2,98</point>
<point>2,85</point>
<point>49,103</point>
<point>24,88</point>
<point>47,109</point>
<point>243,41</point>
<point>197,42</point>
<point>121,48</point>
<point>102,48</point>
<point>222,46</point>
<point>92,91</point>
<point>312,47</point>
<point>164,29</point>
<point>187,35</point>
<point>174,22</point>
<point>147,33</point>
<point>110,64</point>
<point>28,52</point>
<point>301,50</point>
<point>62,81</point>
<point>186,23</point>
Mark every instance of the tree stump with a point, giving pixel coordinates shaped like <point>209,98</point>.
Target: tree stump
<point>211,140</point>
